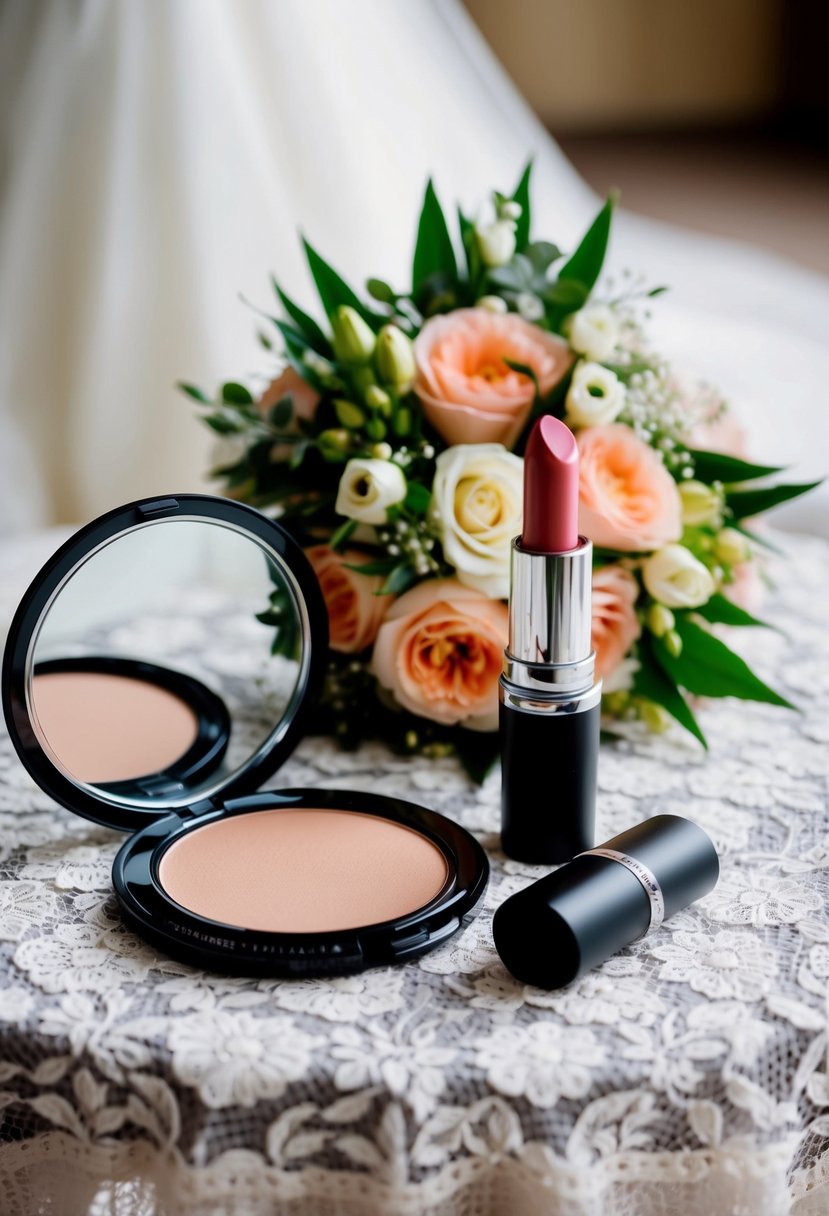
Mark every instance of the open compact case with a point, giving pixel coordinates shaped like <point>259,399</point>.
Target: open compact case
<point>158,670</point>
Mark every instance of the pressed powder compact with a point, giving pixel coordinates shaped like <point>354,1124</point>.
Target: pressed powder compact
<point>158,670</point>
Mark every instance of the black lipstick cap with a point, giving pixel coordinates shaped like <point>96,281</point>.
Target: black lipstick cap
<point>573,919</point>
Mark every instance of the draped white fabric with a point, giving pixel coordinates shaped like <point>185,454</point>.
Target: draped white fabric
<point>156,159</point>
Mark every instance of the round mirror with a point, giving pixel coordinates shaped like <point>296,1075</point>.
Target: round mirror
<point>169,659</point>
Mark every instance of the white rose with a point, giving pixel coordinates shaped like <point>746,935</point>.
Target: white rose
<point>496,242</point>
<point>368,488</point>
<point>593,331</point>
<point>477,500</point>
<point>675,578</point>
<point>596,395</point>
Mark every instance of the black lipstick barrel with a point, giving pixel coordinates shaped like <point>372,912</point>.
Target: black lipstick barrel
<point>549,708</point>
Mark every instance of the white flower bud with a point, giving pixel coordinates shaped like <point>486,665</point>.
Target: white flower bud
<point>496,242</point>
<point>510,210</point>
<point>368,488</point>
<point>593,331</point>
<point>492,304</point>
<point>596,395</point>
<point>731,547</point>
<point>700,503</point>
<point>674,577</point>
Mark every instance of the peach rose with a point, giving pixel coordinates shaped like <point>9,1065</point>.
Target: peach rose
<point>439,653</point>
<point>627,498</point>
<point>467,391</point>
<point>290,384</point>
<point>355,613</point>
<point>615,627</point>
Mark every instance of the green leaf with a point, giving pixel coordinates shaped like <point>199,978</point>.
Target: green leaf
<point>542,254</point>
<point>341,534</point>
<point>280,415</point>
<point>298,453</point>
<point>566,294</point>
<point>384,566</point>
<point>722,611</point>
<point>478,752</point>
<point>524,369</point>
<point>521,196</point>
<point>417,498</point>
<point>378,289</point>
<point>235,394</point>
<point>586,263</point>
<point>306,325</point>
<point>745,503</point>
<point>195,393</point>
<point>401,578</point>
<point>709,668</point>
<point>433,249</point>
<point>718,466</point>
<point>470,247</point>
<point>333,290</point>
<point>222,424</point>
<point>655,291</point>
<point>652,682</point>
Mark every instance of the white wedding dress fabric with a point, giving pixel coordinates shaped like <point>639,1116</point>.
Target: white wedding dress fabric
<point>158,159</point>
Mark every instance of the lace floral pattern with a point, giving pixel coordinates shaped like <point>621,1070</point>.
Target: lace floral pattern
<point>690,1070</point>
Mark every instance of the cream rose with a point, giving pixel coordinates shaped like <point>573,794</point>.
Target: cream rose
<point>476,504</point>
<point>439,653</point>
<point>468,392</point>
<point>674,577</point>
<point>355,611</point>
<point>593,331</point>
<point>368,488</point>
<point>596,395</point>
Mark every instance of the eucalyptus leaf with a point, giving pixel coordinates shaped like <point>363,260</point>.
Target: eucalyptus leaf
<point>653,683</point>
<point>433,253</point>
<point>542,254</point>
<point>745,503</point>
<point>709,668</point>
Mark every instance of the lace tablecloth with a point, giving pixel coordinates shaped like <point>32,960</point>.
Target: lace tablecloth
<point>687,1075</point>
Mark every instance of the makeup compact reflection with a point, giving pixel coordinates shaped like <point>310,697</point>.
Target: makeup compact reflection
<point>160,667</point>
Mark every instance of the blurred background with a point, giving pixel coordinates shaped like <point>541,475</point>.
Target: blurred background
<point>713,114</point>
<point>156,161</point>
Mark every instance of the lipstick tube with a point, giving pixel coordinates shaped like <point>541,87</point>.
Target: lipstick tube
<point>549,708</point>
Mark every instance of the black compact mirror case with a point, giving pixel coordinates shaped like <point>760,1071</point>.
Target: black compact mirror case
<point>144,903</point>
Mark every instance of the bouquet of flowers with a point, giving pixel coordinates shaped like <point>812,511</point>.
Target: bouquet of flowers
<point>389,442</point>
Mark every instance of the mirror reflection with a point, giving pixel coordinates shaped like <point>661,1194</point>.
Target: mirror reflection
<point>166,661</point>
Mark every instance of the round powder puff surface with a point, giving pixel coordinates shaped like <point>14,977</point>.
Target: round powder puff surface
<point>308,870</point>
<point>103,727</point>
